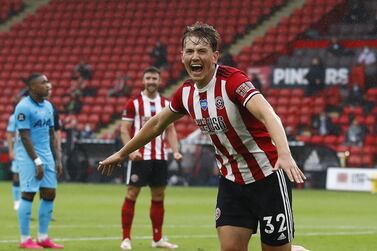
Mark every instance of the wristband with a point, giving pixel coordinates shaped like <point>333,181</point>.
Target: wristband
<point>38,161</point>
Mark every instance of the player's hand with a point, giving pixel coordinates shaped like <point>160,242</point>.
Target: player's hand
<point>135,156</point>
<point>59,168</point>
<point>106,166</point>
<point>39,172</point>
<point>287,163</point>
<point>177,156</point>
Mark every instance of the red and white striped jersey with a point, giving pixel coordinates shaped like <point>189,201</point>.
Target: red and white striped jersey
<point>244,149</point>
<point>138,111</point>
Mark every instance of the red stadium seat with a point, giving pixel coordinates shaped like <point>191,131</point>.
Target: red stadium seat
<point>354,161</point>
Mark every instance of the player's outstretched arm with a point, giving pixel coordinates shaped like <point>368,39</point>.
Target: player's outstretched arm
<point>263,111</point>
<point>154,127</point>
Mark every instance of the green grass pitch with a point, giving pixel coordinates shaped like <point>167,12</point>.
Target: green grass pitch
<point>88,218</point>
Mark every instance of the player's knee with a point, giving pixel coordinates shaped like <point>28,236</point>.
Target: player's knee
<point>158,193</point>
<point>232,246</point>
<point>47,194</point>
<point>132,193</point>
<point>28,196</point>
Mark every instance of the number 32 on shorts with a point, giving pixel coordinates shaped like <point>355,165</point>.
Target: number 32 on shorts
<point>269,229</point>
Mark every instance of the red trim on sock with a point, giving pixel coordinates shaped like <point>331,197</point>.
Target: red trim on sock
<point>157,217</point>
<point>128,211</point>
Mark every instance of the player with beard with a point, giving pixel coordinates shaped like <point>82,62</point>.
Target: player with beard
<point>147,165</point>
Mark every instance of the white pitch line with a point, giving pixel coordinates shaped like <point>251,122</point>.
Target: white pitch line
<point>194,226</point>
<point>111,238</point>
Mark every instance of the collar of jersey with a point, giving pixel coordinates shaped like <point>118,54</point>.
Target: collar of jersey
<point>148,98</point>
<point>212,82</point>
<point>35,102</point>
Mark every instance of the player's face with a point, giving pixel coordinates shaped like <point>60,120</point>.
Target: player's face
<point>39,86</point>
<point>151,82</point>
<point>199,60</point>
<point>49,86</point>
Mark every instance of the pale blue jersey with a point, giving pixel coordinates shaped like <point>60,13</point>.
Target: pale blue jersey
<point>38,118</point>
<point>12,129</point>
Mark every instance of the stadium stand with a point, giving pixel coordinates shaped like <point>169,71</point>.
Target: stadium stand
<point>119,35</point>
<point>112,36</point>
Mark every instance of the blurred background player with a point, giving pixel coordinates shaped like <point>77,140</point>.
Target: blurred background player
<point>11,140</point>
<point>251,146</point>
<point>149,163</point>
<point>36,148</point>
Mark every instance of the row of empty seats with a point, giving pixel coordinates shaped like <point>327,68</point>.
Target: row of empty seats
<point>112,36</point>
<point>277,39</point>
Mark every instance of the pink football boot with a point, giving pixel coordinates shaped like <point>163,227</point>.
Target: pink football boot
<point>48,243</point>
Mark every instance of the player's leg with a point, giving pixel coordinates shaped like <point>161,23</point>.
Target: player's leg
<point>235,222</point>
<point>29,186</point>
<point>158,182</point>
<point>136,182</point>
<point>276,218</point>
<point>157,211</point>
<point>128,210</point>
<point>16,191</point>
<point>24,212</point>
<point>46,206</point>
<point>234,238</point>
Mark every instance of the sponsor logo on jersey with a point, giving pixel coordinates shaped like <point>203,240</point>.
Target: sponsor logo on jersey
<point>244,88</point>
<point>42,123</point>
<point>212,125</point>
<point>217,213</point>
<point>219,102</point>
<point>204,104</point>
<point>21,117</point>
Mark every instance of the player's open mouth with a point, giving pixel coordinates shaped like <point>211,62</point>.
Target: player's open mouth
<point>197,68</point>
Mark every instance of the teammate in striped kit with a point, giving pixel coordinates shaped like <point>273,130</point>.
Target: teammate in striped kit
<point>251,147</point>
<point>149,163</point>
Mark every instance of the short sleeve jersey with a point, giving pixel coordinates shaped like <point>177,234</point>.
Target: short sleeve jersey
<point>138,111</point>
<point>244,150</point>
<point>38,119</point>
<point>12,129</point>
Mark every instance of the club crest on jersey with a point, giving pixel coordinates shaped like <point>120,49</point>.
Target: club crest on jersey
<point>219,102</point>
<point>244,88</point>
<point>134,177</point>
<point>21,117</point>
<point>204,104</point>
